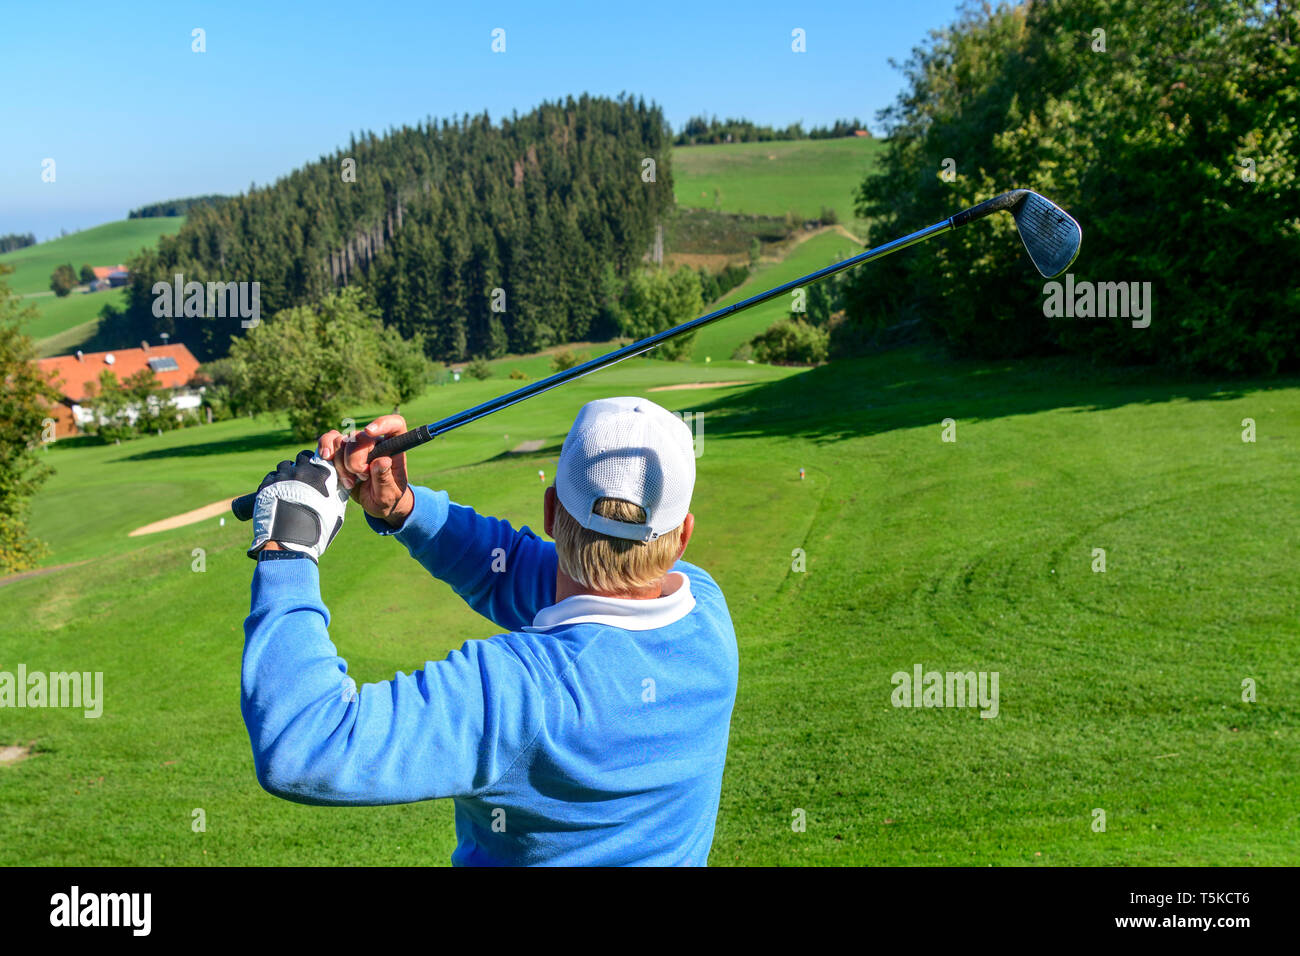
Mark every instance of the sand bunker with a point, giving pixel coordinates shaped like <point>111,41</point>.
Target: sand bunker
<point>13,754</point>
<point>689,385</point>
<point>189,517</point>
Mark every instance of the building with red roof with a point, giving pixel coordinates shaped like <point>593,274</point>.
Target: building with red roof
<point>73,375</point>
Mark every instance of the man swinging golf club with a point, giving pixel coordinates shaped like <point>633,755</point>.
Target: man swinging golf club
<point>592,732</point>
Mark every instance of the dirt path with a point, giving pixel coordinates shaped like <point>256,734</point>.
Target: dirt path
<point>181,520</point>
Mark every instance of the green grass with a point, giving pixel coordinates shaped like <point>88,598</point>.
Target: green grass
<point>1119,691</point>
<point>770,179</point>
<point>720,340</point>
<point>106,245</point>
<point>70,340</point>
<point>57,316</point>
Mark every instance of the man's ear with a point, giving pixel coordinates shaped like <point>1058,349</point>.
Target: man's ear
<point>548,512</point>
<point>688,528</point>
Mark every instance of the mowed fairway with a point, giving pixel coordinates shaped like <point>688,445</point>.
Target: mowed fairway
<point>771,179</point>
<point>721,339</point>
<point>1119,691</point>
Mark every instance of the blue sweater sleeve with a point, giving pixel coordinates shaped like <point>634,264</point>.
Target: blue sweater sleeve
<point>448,730</point>
<point>504,574</point>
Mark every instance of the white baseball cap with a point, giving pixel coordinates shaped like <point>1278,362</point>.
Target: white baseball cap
<point>633,450</point>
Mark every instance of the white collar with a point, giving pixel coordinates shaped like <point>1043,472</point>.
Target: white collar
<point>627,613</point>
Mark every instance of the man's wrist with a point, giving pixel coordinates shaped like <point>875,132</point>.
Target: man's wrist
<point>405,505</point>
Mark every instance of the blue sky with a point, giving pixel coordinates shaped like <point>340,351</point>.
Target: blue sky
<point>130,115</point>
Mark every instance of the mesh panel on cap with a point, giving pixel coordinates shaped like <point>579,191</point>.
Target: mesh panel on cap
<point>633,450</point>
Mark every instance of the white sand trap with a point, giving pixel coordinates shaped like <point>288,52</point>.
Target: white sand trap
<point>690,385</point>
<point>13,754</point>
<point>533,445</point>
<point>189,517</point>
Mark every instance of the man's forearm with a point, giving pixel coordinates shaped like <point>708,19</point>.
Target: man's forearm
<point>506,575</point>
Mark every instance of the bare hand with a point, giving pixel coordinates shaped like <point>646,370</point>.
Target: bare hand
<point>379,486</point>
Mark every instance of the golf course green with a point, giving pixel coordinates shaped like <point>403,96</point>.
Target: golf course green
<point>1120,691</point>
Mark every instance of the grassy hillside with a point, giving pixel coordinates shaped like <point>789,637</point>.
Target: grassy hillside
<point>55,315</point>
<point>771,179</point>
<point>1119,691</point>
<point>61,324</point>
<point>106,245</point>
<point>720,340</point>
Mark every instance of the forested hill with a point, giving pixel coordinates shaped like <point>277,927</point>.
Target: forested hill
<point>542,207</point>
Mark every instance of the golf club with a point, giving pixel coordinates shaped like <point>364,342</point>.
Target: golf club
<point>1050,235</point>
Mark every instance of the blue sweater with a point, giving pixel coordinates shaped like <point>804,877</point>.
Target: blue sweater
<point>594,732</point>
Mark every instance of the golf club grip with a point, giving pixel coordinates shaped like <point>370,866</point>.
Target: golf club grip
<point>242,507</point>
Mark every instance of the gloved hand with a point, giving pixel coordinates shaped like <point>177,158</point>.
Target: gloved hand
<point>299,506</point>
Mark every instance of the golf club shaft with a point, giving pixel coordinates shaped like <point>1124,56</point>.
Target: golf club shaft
<point>243,506</point>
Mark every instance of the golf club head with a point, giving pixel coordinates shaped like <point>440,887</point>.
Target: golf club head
<point>1050,234</point>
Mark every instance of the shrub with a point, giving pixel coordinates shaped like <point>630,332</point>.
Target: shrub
<point>479,369</point>
<point>791,342</point>
<point>565,359</point>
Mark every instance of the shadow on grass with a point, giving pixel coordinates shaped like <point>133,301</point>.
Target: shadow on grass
<point>548,451</point>
<point>261,441</point>
<point>914,387</point>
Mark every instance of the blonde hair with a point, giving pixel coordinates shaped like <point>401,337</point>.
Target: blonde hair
<point>612,565</point>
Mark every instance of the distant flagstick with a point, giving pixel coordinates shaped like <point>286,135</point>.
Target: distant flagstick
<point>1051,237</point>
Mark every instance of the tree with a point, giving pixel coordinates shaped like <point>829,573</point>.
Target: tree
<point>483,238</point>
<point>313,361</point>
<point>106,401</point>
<point>25,402</point>
<point>404,362</point>
<point>87,274</point>
<point>655,300</point>
<point>1169,128</point>
<point>791,342</point>
<point>63,280</point>
<point>147,397</point>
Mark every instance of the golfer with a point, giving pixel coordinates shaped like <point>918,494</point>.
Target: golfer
<point>592,731</point>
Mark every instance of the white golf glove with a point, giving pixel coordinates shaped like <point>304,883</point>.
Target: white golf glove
<point>299,506</point>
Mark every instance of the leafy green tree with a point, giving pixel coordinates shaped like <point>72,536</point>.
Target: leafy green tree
<point>152,405</point>
<point>819,303</point>
<point>87,273</point>
<point>404,363</point>
<point>655,300</point>
<point>791,342</point>
<point>63,280</point>
<point>108,403</point>
<point>1170,130</point>
<point>25,407</point>
<point>479,369</point>
<point>314,361</point>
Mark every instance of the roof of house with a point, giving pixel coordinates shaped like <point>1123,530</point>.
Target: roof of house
<point>103,272</point>
<point>172,364</point>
